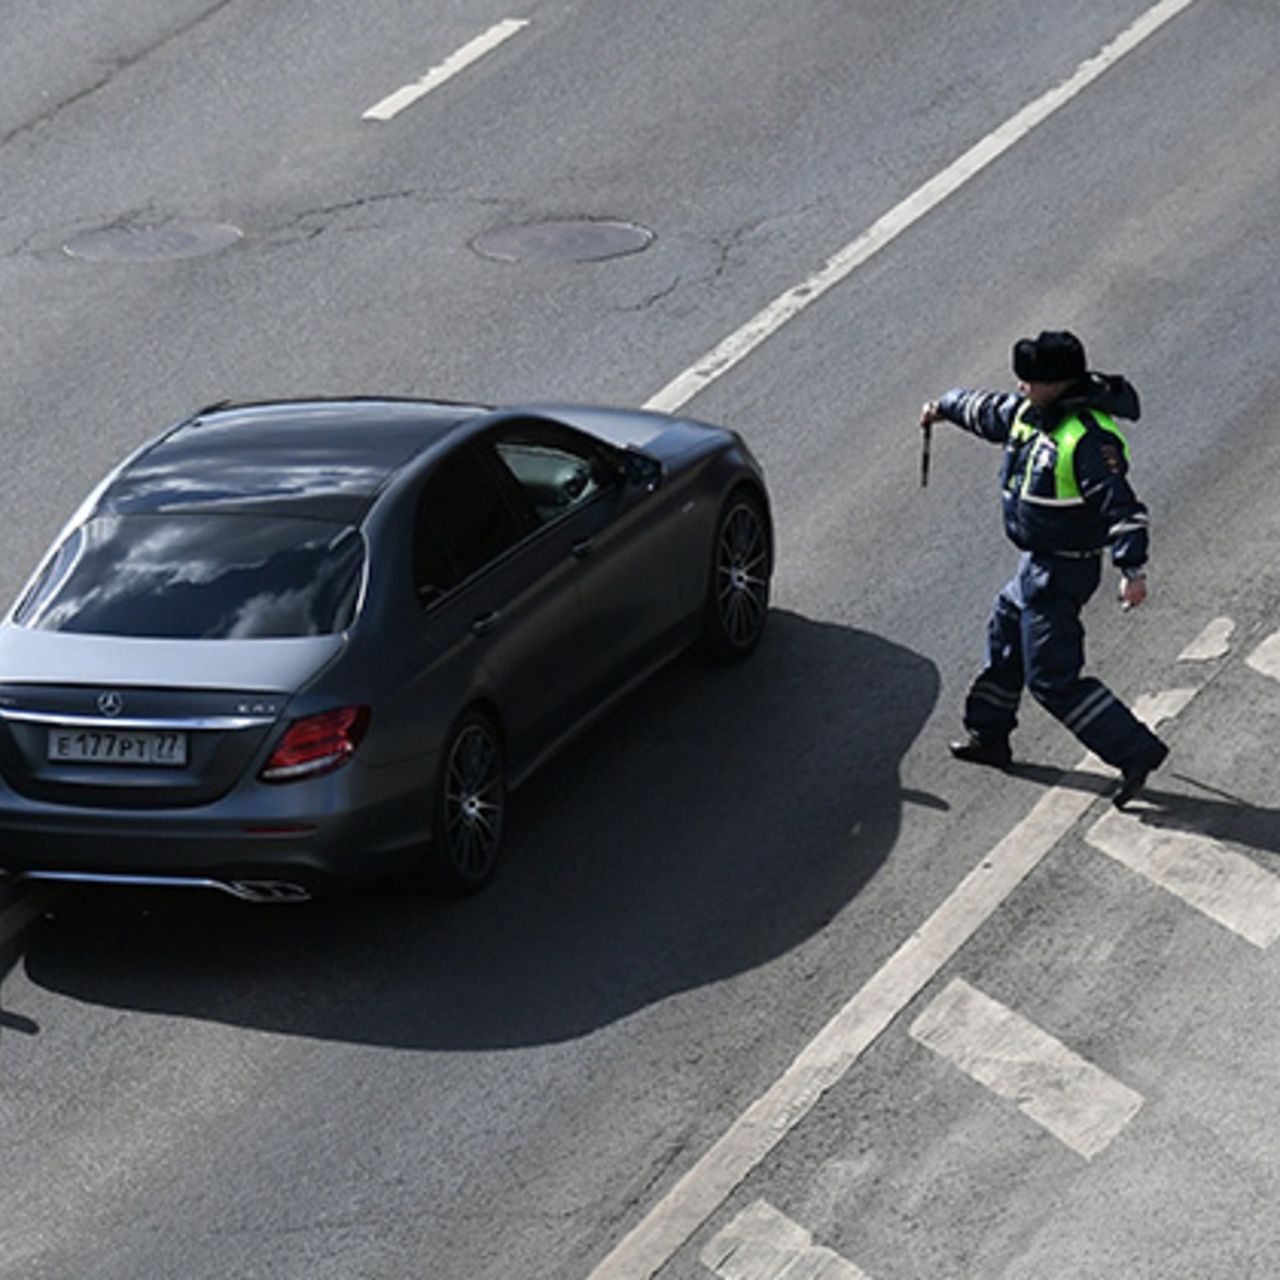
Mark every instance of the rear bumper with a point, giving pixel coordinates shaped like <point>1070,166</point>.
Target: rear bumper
<point>257,891</point>
<point>300,852</point>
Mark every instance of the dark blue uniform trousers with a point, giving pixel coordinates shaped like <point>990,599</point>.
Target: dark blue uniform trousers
<point>1035,640</point>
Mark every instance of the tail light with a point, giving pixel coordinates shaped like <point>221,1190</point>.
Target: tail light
<point>316,744</point>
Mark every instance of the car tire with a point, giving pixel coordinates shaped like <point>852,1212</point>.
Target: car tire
<point>470,807</point>
<point>737,604</point>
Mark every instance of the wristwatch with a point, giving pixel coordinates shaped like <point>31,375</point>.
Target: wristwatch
<point>1134,575</point>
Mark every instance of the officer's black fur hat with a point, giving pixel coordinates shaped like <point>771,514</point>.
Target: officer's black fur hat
<point>1055,356</point>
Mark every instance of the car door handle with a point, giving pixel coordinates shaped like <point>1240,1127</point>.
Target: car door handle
<point>583,548</point>
<point>485,623</point>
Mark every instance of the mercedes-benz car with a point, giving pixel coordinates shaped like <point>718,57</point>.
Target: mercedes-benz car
<point>289,645</point>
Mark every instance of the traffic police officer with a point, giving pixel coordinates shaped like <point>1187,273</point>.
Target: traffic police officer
<point>1066,498</point>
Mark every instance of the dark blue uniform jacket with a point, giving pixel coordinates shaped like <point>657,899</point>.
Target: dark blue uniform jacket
<point>1110,513</point>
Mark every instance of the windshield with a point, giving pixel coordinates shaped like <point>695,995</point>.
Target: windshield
<point>199,576</point>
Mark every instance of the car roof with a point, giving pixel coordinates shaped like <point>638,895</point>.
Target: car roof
<point>323,459</point>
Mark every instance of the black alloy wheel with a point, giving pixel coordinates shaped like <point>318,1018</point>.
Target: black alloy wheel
<point>742,564</point>
<point>470,806</point>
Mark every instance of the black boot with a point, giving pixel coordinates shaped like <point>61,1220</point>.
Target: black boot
<point>976,750</point>
<point>1134,778</point>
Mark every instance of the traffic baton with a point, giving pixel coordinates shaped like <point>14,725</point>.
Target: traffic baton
<point>925,449</point>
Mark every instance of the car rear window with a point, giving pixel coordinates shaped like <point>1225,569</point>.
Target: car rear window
<point>205,576</point>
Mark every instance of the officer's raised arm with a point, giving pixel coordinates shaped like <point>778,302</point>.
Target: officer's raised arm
<point>989,414</point>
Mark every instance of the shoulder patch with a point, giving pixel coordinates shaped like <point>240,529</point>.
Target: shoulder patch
<point>1112,456</point>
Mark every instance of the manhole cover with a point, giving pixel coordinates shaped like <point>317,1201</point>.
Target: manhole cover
<point>570,240</point>
<point>152,243</point>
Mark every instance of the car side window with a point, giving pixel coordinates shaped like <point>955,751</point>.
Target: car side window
<point>464,521</point>
<point>557,468</point>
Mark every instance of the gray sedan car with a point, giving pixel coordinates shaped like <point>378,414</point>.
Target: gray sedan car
<point>292,644</point>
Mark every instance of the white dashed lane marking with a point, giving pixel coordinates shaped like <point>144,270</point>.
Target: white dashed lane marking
<point>1077,1102</point>
<point>763,1244</point>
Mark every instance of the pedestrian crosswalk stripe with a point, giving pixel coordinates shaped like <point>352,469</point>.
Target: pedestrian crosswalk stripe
<point>1079,1103</point>
<point>1213,642</point>
<point>763,1244</point>
<point>1223,884</point>
<point>857,1025</point>
<point>1266,657</point>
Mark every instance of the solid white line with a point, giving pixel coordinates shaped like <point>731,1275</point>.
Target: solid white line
<point>1266,657</point>
<point>739,345</point>
<point>1224,885</point>
<point>394,103</point>
<point>857,1026</point>
<point>1077,1102</point>
<point>763,1244</point>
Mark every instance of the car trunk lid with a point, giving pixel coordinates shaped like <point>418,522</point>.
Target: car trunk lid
<point>102,722</point>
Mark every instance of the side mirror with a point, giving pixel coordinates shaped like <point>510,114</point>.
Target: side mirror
<point>640,469</point>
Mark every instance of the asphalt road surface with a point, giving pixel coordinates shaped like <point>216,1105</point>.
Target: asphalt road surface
<point>770,986</point>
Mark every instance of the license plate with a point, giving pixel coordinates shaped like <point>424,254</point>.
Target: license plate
<point>118,746</point>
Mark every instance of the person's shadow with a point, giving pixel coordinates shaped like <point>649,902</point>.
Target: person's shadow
<point>1216,815</point>
<point>1208,812</point>
<point>715,820</point>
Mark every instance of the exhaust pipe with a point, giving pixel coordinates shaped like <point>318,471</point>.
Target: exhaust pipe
<point>264,891</point>
<point>256,891</point>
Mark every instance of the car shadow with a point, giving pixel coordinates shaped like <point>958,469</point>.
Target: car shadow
<point>714,821</point>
